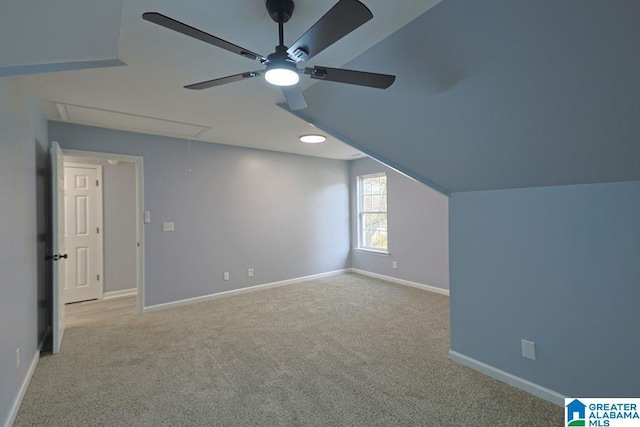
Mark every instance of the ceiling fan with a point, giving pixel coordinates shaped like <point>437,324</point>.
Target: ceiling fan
<point>280,67</point>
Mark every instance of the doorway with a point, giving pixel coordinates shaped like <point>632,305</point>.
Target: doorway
<point>122,271</point>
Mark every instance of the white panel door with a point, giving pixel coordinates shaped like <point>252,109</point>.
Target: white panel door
<point>83,227</point>
<point>58,244</point>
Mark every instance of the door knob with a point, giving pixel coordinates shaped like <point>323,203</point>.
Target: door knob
<point>55,257</point>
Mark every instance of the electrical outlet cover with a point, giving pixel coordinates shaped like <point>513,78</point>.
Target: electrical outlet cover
<point>529,349</point>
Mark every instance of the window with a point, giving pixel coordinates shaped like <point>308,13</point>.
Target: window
<point>372,212</point>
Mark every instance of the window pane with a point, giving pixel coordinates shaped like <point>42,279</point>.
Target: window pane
<point>379,240</point>
<point>383,240</point>
<point>367,239</point>
<point>366,186</point>
<point>366,231</point>
<point>372,214</point>
<point>375,203</point>
<point>366,206</point>
<point>375,186</point>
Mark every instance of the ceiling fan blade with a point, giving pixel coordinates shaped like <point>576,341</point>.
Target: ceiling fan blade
<point>361,78</point>
<point>294,97</point>
<point>223,80</point>
<point>172,24</point>
<point>340,20</point>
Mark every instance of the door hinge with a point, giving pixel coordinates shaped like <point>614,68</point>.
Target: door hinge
<point>98,230</point>
<point>97,183</point>
<point>98,277</point>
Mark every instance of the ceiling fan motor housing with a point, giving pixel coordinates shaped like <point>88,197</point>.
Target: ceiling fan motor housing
<point>280,9</point>
<point>280,55</point>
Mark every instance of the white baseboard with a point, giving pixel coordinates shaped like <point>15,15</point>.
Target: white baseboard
<point>120,294</point>
<point>11,417</point>
<point>402,282</point>
<point>225,294</point>
<point>500,375</point>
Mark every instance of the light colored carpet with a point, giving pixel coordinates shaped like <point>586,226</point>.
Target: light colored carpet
<point>345,350</point>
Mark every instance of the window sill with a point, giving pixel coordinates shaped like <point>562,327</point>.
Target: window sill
<point>372,251</point>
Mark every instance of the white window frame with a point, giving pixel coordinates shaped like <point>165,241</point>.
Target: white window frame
<point>359,185</point>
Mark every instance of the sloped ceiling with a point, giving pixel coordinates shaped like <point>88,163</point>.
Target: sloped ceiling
<point>44,36</point>
<point>500,94</point>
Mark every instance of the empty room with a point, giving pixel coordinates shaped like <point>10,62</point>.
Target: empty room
<point>434,220</point>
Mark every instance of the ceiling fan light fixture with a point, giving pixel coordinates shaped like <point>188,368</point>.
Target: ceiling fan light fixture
<point>281,66</point>
<point>313,139</point>
<point>282,74</point>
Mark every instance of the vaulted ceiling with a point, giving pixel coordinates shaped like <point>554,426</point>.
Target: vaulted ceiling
<point>489,94</point>
<point>501,94</point>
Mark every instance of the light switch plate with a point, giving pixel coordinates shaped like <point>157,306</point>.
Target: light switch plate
<point>167,226</point>
<point>147,217</point>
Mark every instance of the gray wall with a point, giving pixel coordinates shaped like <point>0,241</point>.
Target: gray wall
<point>20,126</point>
<point>499,94</point>
<point>285,216</point>
<point>557,266</point>
<point>119,216</point>
<point>418,221</point>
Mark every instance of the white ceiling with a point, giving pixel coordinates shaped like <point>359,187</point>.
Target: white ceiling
<point>160,62</point>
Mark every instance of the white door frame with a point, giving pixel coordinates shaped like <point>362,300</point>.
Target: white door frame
<point>99,219</point>
<point>139,172</point>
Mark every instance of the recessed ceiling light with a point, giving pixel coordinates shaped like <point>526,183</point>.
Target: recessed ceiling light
<point>313,139</point>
